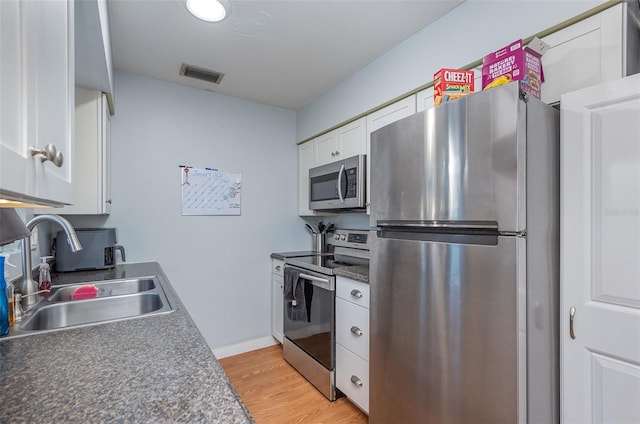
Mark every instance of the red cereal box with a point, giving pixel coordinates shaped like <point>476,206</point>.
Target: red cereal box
<point>450,84</point>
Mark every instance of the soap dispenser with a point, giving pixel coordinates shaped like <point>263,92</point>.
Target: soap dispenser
<point>45,275</point>
<point>4,303</point>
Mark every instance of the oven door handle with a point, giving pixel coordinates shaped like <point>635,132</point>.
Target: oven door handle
<point>324,283</point>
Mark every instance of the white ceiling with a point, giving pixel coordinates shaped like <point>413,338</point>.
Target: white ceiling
<point>283,53</point>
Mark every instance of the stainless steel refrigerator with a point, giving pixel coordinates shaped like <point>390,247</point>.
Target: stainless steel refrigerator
<point>465,263</point>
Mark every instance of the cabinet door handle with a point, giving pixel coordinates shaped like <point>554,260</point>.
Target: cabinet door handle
<point>355,330</point>
<point>356,381</point>
<point>109,201</point>
<point>333,154</point>
<point>48,152</point>
<point>278,268</point>
<point>356,293</point>
<point>572,314</point>
<point>337,153</point>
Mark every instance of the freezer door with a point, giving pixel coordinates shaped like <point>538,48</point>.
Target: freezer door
<point>447,331</point>
<point>461,161</point>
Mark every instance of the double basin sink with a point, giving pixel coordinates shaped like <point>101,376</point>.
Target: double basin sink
<point>115,300</point>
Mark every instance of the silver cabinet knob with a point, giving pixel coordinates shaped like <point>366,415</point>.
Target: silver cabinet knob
<point>48,152</point>
<point>356,381</point>
<point>337,153</point>
<point>356,293</point>
<point>355,330</point>
<point>278,268</point>
<point>109,201</point>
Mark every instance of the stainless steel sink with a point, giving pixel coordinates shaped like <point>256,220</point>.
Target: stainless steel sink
<point>106,288</point>
<point>79,312</point>
<point>116,300</point>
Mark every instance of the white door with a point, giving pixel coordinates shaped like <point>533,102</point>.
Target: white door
<point>600,253</point>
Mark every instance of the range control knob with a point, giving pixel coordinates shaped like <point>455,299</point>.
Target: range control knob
<point>337,237</point>
<point>343,237</point>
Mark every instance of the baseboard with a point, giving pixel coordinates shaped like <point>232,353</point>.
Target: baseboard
<point>248,346</point>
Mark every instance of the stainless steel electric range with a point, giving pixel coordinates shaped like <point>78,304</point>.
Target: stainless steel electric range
<point>309,306</point>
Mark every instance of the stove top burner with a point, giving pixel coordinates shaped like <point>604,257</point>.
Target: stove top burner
<point>325,263</point>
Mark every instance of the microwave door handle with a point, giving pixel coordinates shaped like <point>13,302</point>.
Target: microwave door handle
<point>342,169</point>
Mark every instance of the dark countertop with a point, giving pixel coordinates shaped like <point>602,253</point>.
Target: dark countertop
<point>357,272</point>
<point>284,255</point>
<point>150,369</point>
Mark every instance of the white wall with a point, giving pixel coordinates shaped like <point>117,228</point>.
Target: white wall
<point>467,33</point>
<point>219,265</point>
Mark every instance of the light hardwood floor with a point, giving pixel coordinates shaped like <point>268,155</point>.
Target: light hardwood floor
<point>276,393</point>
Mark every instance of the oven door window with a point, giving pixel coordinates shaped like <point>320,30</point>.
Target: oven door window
<point>308,321</point>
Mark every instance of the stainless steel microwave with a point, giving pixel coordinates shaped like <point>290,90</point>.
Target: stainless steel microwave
<point>338,185</point>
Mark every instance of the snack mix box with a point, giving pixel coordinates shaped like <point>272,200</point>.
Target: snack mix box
<point>515,63</point>
<point>450,84</point>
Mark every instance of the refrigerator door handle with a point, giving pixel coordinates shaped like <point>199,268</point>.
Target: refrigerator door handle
<point>430,225</point>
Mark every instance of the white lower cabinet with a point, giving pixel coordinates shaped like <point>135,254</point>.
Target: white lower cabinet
<point>277,299</point>
<point>352,377</point>
<point>352,340</point>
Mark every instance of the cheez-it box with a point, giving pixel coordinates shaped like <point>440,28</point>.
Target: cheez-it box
<point>450,84</point>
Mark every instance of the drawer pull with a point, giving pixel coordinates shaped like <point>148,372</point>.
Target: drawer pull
<point>356,381</point>
<point>355,330</point>
<point>278,268</point>
<point>356,293</point>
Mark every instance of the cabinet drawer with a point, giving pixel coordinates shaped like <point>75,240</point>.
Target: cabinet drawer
<point>352,327</point>
<point>353,291</point>
<point>352,377</point>
<point>277,267</point>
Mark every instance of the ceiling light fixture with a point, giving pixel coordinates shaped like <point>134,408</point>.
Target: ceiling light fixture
<point>209,10</point>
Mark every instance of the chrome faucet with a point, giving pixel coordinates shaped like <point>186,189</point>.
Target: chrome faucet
<point>29,287</point>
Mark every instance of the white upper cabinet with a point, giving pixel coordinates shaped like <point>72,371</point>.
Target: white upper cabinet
<point>37,100</point>
<point>17,170</point>
<point>92,173</point>
<point>94,64</point>
<point>50,93</point>
<point>352,139</point>
<point>341,143</point>
<point>583,54</point>
<point>325,148</point>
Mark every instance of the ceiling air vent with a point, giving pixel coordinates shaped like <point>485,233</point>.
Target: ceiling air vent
<point>201,73</point>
